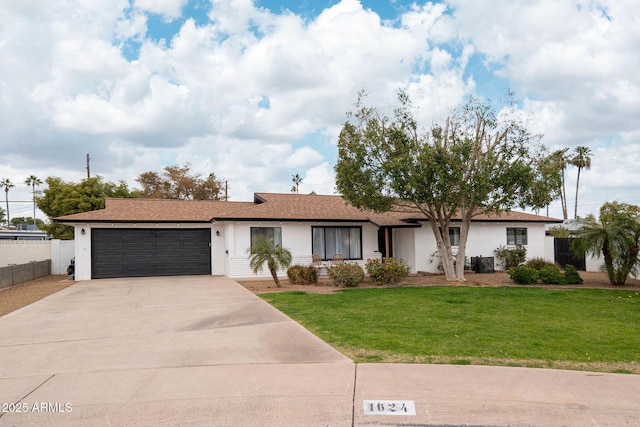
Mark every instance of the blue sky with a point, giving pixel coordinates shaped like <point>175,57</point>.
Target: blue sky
<point>256,91</point>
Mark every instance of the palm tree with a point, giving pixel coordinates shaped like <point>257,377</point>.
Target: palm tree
<point>262,251</point>
<point>560,158</point>
<point>296,183</point>
<point>615,236</point>
<point>581,160</point>
<point>7,184</point>
<point>33,181</point>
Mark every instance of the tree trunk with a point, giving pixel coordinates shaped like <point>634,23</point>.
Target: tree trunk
<point>563,197</point>
<point>274,274</point>
<point>575,213</point>
<point>446,256</point>
<point>608,262</point>
<point>462,247</point>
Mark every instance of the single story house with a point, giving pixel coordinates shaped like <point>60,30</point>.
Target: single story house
<point>150,237</point>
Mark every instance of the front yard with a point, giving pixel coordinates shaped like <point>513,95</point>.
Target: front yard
<point>582,329</point>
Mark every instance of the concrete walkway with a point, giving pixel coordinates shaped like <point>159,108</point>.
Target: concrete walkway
<point>205,351</point>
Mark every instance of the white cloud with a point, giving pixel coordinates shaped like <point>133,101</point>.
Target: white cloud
<point>168,9</point>
<point>242,94</point>
<point>320,179</point>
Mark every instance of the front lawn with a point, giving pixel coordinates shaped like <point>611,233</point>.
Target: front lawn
<point>589,329</point>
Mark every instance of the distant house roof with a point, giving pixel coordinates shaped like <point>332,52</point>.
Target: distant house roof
<point>265,207</point>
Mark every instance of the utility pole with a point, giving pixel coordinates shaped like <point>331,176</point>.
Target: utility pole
<point>88,166</point>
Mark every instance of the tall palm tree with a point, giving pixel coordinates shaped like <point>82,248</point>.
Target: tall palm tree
<point>33,181</point>
<point>7,184</point>
<point>296,183</point>
<point>560,159</point>
<point>581,160</point>
<point>262,251</point>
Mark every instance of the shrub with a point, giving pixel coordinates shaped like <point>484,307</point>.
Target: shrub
<point>346,275</point>
<point>538,263</point>
<point>511,257</point>
<point>551,275</point>
<point>387,270</point>
<point>571,276</point>
<point>523,275</point>
<point>300,275</point>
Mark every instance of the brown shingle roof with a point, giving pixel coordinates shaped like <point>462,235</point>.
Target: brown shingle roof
<point>266,206</point>
<point>156,210</point>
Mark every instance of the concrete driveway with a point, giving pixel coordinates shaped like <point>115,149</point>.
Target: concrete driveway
<point>203,350</point>
<point>194,350</point>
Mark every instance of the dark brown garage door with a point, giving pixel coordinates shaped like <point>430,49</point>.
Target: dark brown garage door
<point>149,252</point>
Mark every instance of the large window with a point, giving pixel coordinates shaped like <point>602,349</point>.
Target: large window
<point>328,241</point>
<point>516,236</point>
<point>272,233</point>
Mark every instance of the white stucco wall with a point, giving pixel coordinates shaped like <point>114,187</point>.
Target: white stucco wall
<point>404,246</point>
<point>23,251</point>
<point>230,240</point>
<point>58,251</point>
<point>296,237</point>
<point>484,238</point>
<point>229,249</point>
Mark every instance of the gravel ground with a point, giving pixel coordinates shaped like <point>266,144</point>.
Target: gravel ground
<point>18,296</point>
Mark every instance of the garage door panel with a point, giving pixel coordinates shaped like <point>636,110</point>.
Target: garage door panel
<point>163,258</point>
<point>168,246</point>
<point>150,252</point>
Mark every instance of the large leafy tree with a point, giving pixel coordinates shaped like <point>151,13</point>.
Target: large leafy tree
<point>582,160</point>
<point>179,183</point>
<point>615,236</point>
<point>475,163</point>
<point>33,181</point>
<point>264,251</point>
<point>65,198</point>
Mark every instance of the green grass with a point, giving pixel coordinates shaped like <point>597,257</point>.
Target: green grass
<point>575,329</point>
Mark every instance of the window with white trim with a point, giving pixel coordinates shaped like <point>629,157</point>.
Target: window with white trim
<point>272,233</point>
<point>328,241</point>
<point>516,236</point>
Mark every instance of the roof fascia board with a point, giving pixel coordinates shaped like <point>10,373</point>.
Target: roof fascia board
<point>540,221</point>
<point>289,220</point>
<point>131,221</point>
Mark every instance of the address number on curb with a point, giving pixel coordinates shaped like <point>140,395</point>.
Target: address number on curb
<point>389,407</point>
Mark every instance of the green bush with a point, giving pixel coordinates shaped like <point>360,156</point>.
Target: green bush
<point>571,276</point>
<point>300,275</point>
<point>523,275</point>
<point>346,275</point>
<point>511,257</point>
<point>387,270</point>
<point>538,263</point>
<point>551,275</point>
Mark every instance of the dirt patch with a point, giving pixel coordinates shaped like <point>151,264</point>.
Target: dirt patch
<point>324,285</point>
<point>15,297</point>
